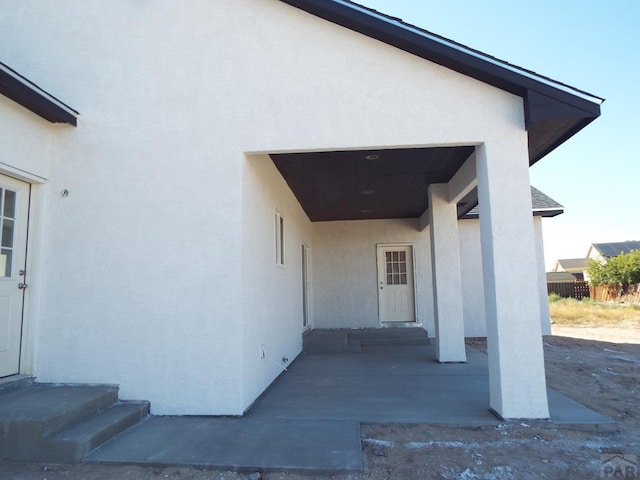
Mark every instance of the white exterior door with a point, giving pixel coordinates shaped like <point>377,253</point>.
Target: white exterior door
<point>396,283</point>
<point>14,216</point>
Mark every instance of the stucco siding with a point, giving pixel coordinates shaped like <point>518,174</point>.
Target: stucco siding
<point>472,282</point>
<point>545,320</point>
<point>344,273</point>
<point>146,264</point>
<point>26,142</point>
<point>272,294</point>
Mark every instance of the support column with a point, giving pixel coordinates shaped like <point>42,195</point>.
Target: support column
<point>516,360</point>
<point>545,320</point>
<point>445,270</point>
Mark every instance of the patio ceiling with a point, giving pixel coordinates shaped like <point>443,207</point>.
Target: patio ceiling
<point>368,184</point>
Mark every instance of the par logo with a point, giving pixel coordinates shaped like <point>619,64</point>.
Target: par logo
<point>619,466</point>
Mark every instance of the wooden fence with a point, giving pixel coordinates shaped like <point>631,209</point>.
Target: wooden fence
<point>577,289</point>
<point>613,294</point>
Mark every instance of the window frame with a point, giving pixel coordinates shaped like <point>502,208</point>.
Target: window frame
<point>279,238</point>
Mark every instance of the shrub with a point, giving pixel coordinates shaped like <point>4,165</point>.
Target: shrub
<point>620,271</point>
<point>554,297</point>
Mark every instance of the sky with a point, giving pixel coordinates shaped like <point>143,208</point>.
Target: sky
<point>593,45</point>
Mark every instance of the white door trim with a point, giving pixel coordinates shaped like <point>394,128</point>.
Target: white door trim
<point>380,280</point>
<point>305,273</point>
<point>28,348</point>
<point>31,308</point>
<point>14,254</point>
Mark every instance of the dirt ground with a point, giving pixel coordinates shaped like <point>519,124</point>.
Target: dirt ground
<point>600,374</point>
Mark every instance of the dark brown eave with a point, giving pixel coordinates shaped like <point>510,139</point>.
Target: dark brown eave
<point>550,213</point>
<point>367,185</point>
<point>26,93</point>
<point>554,111</point>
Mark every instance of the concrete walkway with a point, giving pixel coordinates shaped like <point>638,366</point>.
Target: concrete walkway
<point>244,445</point>
<point>308,420</point>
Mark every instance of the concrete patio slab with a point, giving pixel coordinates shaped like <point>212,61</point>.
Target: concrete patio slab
<point>238,444</point>
<point>396,384</point>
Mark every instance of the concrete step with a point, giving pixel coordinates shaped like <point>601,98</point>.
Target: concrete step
<point>325,341</point>
<point>15,382</point>
<point>353,340</point>
<point>72,444</point>
<point>391,336</point>
<point>368,342</point>
<point>30,414</point>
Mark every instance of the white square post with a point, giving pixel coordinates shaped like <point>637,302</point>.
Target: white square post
<point>516,360</point>
<point>445,269</point>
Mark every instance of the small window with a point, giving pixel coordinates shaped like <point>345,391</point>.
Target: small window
<point>396,268</point>
<point>279,233</point>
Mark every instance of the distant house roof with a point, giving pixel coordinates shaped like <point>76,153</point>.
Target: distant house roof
<point>543,206</point>
<point>571,264</point>
<point>554,111</point>
<point>26,93</point>
<point>560,277</point>
<point>613,249</point>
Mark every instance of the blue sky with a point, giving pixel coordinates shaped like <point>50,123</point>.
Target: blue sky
<point>588,44</point>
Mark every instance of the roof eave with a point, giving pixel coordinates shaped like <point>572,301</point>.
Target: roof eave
<point>26,93</point>
<point>548,213</point>
<point>536,213</point>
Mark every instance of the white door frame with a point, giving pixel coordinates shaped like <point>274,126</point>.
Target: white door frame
<point>380,275</point>
<point>16,219</point>
<point>34,261</point>
<point>305,273</point>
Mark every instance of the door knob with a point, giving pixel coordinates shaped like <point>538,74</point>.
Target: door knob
<point>22,286</point>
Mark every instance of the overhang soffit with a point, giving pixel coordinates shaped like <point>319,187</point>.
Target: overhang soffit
<point>540,108</point>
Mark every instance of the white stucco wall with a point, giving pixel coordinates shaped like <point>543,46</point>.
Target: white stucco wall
<point>545,320</point>
<point>272,295</point>
<point>26,142</point>
<point>345,271</point>
<point>141,277</point>
<point>472,283</point>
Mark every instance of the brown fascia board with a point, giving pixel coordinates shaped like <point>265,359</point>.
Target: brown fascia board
<point>536,213</point>
<point>26,93</point>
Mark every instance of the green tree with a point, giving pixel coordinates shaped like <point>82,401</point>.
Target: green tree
<point>620,271</point>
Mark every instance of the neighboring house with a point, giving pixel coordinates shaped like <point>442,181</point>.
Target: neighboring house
<point>245,170</point>
<point>604,251</point>
<point>597,251</point>
<point>575,266</point>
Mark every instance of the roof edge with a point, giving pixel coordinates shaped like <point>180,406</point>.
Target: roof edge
<point>26,93</point>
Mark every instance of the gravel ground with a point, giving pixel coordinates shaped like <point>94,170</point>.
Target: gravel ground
<point>600,374</point>
<point>603,334</point>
